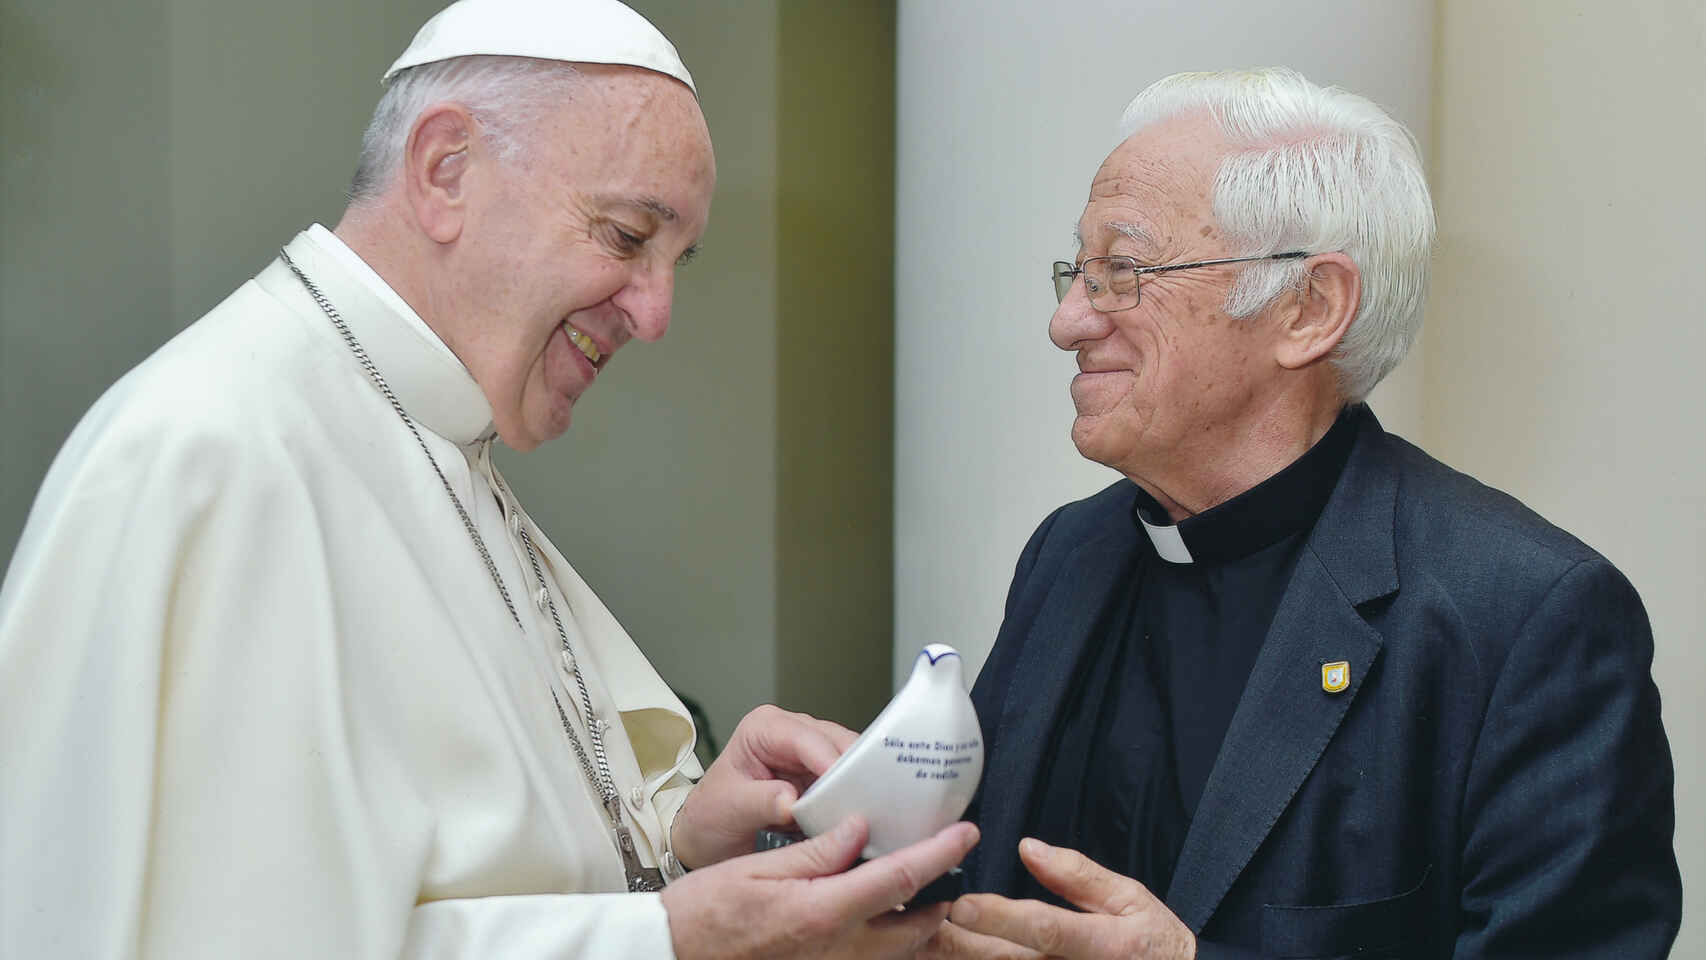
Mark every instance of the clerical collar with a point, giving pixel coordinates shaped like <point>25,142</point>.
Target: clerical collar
<point>1286,503</point>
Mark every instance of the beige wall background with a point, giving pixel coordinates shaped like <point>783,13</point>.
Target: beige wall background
<point>1567,329</point>
<point>726,490</point>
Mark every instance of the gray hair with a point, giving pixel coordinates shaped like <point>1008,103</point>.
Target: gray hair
<point>1316,169</point>
<point>506,95</point>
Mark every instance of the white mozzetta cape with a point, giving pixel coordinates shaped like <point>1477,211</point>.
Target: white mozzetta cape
<point>258,694</point>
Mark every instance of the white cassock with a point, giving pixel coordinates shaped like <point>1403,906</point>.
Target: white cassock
<point>259,695</point>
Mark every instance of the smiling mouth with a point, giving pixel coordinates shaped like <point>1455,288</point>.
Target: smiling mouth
<point>584,344</point>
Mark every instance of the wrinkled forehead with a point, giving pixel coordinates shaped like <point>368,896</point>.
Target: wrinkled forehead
<point>633,130</point>
<point>614,95</point>
<point>1156,181</point>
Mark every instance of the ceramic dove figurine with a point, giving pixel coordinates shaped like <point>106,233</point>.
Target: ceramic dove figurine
<point>914,769</point>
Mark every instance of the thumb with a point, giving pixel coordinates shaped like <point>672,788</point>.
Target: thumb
<point>773,801</point>
<point>820,856</point>
<point>767,803</point>
<point>1080,880</point>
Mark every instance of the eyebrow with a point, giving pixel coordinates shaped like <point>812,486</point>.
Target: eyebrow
<point>1130,231</point>
<point>663,210</point>
<point>652,205</point>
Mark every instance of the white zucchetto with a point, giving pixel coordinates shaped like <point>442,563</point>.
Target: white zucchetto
<point>578,31</point>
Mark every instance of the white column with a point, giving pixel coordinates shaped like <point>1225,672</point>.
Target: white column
<point>1006,108</point>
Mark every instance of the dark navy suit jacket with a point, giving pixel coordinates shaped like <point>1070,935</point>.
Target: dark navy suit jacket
<point>1495,780</point>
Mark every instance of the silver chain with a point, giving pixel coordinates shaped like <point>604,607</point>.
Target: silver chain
<point>639,877</point>
<point>606,785</point>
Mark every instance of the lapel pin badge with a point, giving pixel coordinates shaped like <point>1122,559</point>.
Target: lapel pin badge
<point>1335,676</point>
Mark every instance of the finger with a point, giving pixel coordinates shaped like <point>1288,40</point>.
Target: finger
<point>952,942</point>
<point>1082,881</point>
<point>792,743</point>
<point>770,802</point>
<point>771,742</point>
<point>1052,930</point>
<point>837,734</point>
<point>894,878</point>
<point>930,916</point>
<point>900,934</point>
<point>822,855</point>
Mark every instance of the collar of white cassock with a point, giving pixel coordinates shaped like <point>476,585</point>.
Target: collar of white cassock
<point>433,386</point>
<point>1286,503</point>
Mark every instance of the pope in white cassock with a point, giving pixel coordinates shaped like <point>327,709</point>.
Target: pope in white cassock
<point>285,669</point>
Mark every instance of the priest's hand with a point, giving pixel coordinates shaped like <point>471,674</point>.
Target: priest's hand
<point>773,756</point>
<point>796,902</point>
<point>1121,919</point>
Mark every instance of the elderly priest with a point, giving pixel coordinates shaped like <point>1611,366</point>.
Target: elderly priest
<point>286,670</point>
<point>1291,687</point>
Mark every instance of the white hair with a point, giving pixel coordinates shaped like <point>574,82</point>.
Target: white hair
<point>1315,169</point>
<point>506,95</point>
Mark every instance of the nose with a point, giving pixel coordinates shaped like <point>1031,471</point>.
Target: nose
<point>646,301</point>
<point>1075,322</point>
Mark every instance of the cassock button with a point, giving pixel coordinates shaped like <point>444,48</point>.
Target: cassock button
<point>514,520</point>
<point>542,599</point>
<point>636,798</point>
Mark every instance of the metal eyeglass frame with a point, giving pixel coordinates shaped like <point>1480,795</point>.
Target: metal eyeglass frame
<point>1062,269</point>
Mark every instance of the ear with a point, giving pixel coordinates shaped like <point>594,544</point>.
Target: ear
<point>436,160</point>
<point>1322,312</point>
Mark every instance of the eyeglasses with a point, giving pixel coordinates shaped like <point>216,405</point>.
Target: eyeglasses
<point>1111,282</point>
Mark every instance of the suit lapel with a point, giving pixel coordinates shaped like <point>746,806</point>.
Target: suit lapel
<point>1281,727</point>
<point>1061,632</point>
<point>1285,718</point>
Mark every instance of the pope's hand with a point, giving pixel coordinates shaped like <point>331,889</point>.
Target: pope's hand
<point>772,757</point>
<point>796,902</point>
<point>1122,918</point>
